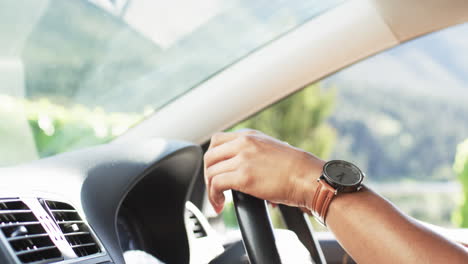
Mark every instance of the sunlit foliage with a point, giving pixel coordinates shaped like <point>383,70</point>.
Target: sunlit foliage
<point>57,129</point>
<point>299,120</point>
<point>461,169</point>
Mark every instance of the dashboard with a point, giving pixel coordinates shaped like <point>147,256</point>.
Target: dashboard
<point>107,204</point>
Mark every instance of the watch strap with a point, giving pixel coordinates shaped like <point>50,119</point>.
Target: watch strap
<point>323,196</point>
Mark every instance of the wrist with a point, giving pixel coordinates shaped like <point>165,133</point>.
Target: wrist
<point>313,168</point>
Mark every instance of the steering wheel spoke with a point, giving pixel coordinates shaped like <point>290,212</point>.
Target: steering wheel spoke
<point>256,229</point>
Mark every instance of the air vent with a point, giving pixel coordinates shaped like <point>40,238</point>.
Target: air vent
<point>195,225</point>
<point>25,234</point>
<point>76,231</point>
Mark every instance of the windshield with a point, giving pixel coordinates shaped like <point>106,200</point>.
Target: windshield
<point>80,73</point>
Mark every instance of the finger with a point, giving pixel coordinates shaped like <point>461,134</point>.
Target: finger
<point>222,152</point>
<point>219,184</point>
<point>218,154</point>
<point>216,140</point>
<point>218,151</point>
<point>223,137</point>
<point>221,167</point>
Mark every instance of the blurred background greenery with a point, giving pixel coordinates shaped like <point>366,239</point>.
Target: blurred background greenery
<point>303,120</point>
<point>460,217</point>
<point>56,128</point>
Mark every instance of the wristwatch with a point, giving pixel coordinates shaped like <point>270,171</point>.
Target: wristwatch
<point>338,176</point>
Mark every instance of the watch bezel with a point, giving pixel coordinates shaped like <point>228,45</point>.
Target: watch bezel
<point>340,186</point>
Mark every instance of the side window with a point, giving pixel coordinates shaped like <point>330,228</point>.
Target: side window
<point>399,115</point>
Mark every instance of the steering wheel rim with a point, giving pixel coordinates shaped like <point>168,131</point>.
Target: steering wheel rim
<point>256,229</point>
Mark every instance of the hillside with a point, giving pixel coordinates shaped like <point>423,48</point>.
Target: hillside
<point>393,134</point>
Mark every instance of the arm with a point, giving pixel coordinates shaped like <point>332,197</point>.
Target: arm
<point>369,227</point>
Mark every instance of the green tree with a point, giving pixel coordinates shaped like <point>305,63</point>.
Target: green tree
<point>460,166</point>
<point>299,120</point>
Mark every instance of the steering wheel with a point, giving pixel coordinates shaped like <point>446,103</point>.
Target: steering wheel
<point>257,230</point>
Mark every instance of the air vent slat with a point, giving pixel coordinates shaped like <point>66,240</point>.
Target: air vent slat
<point>15,212</point>
<point>29,251</point>
<point>197,229</point>
<point>9,224</point>
<point>27,237</point>
<point>63,211</point>
<point>54,205</point>
<point>76,230</point>
<point>63,222</point>
<point>52,260</point>
<point>84,245</point>
<point>77,233</point>
<point>25,234</point>
<point>11,200</point>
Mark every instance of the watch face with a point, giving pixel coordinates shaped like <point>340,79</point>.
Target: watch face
<point>343,173</point>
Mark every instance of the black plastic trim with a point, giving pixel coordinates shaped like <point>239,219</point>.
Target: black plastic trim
<point>256,229</point>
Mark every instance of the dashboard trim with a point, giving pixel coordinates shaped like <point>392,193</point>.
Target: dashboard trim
<point>98,180</point>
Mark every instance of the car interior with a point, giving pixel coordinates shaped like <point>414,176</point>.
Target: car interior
<point>141,198</point>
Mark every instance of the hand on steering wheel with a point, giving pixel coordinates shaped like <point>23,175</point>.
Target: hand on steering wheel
<point>258,165</point>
